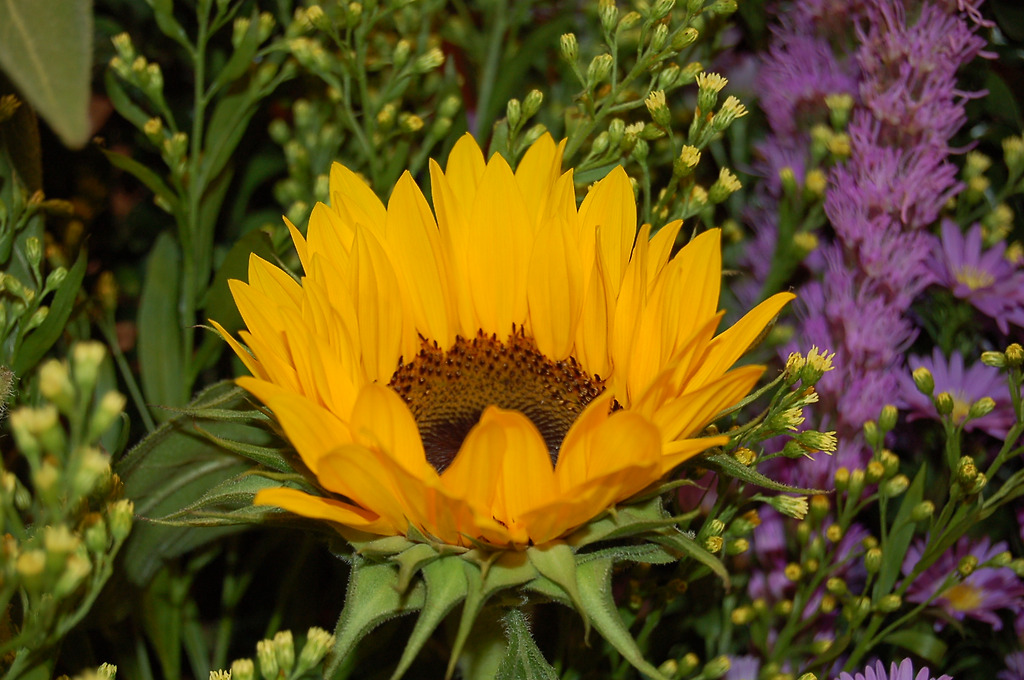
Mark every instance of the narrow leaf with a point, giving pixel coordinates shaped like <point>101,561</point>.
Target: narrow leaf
<point>899,537</point>
<point>522,660</point>
<point>729,466</point>
<point>371,600</point>
<point>595,587</point>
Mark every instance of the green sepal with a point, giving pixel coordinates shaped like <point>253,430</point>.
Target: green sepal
<point>381,546</point>
<point>623,521</point>
<point>522,660</point>
<point>371,600</point>
<point>445,582</point>
<point>486,575</point>
<point>725,464</point>
<point>550,590</point>
<point>594,579</point>
<point>642,553</point>
<point>557,562</point>
<point>410,562</point>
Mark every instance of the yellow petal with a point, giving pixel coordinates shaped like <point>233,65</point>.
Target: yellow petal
<point>381,420</point>
<point>326,509</point>
<point>364,476</point>
<point>611,206</point>
<point>354,200</point>
<point>594,329</point>
<point>500,241</point>
<point>537,174</point>
<point>690,412</point>
<point>661,248</point>
<point>313,430</point>
<point>453,227</point>
<point>248,359</point>
<point>379,307</point>
<point>555,290</point>
<point>330,236</point>
<point>626,324</point>
<point>681,450</point>
<point>273,281</point>
<point>414,243</point>
<point>700,266</point>
<point>300,244</point>
<point>732,343</point>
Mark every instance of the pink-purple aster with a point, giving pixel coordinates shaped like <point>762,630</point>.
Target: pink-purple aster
<point>1014,667</point>
<point>983,277</point>
<point>904,671</point>
<point>978,595</point>
<point>966,385</point>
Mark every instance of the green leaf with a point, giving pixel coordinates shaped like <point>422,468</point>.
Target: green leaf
<point>687,546</point>
<point>161,363</point>
<point>145,175</point>
<point>411,561</point>
<point>921,642</point>
<point>40,340</point>
<point>729,466</point>
<point>172,469</point>
<point>163,10</point>
<point>899,538</point>
<point>595,587</point>
<point>46,49</point>
<point>445,582</point>
<point>557,562</point>
<point>122,102</point>
<point>241,56</point>
<point>498,571</point>
<point>522,660</point>
<point>230,502</point>
<point>371,600</point>
<point>228,123</point>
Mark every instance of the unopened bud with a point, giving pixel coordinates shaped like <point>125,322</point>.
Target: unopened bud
<point>890,603</point>
<point>428,61</point>
<point>994,359</point>
<point>981,408</point>
<point>532,102</point>
<point>120,518</point>
<point>895,486</point>
<point>569,47</point>
<point>887,419</point>
<point>284,650</point>
<point>55,385</point>
<point>713,544</point>
<point>243,669</point>
<point>599,70</point>
<point>737,546</point>
<point>267,659</point>
<point>967,565</point>
<point>924,381</point>
<point>922,511</point>
<point>944,403</point>
<point>717,667</point>
<point>834,533</point>
<point>514,113</point>
<point>874,472</point>
<point>1014,355</point>
<point>873,560</point>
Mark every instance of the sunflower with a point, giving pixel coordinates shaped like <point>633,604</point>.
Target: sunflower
<point>499,370</point>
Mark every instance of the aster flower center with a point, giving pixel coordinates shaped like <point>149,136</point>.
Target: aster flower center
<point>448,390</point>
<point>964,597</point>
<point>974,278</point>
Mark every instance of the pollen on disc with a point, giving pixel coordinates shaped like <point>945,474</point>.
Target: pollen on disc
<point>447,390</point>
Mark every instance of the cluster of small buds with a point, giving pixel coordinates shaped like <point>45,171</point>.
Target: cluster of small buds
<point>1013,155</point>
<point>105,671</point>
<point>808,369</point>
<point>277,659</point>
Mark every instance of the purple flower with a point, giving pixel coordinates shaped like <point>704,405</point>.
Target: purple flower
<point>978,595</point>
<point>743,668</point>
<point>905,671</point>
<point>1014,667</point>
<point>966,386</point>
<point>986,279</point>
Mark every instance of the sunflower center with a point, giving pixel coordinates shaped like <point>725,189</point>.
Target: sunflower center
<point>448,390</point>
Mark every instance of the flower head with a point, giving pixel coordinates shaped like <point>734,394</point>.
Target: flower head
<point>986,279</point>
<point>905,671</point>
<point>500,373</point>
<point>979,595</point>
<point>966,386</point>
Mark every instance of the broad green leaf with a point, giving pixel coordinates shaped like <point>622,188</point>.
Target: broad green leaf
<point>921,641</point>
<point>371,600</point>
<point>46,49</point>
<point>173,469</point>
<point>594,580</point>
<point>899,538</point>
<point>445,583</point>
<point>522,660</point>
<point>40,340</point>
<point>161,362</point>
